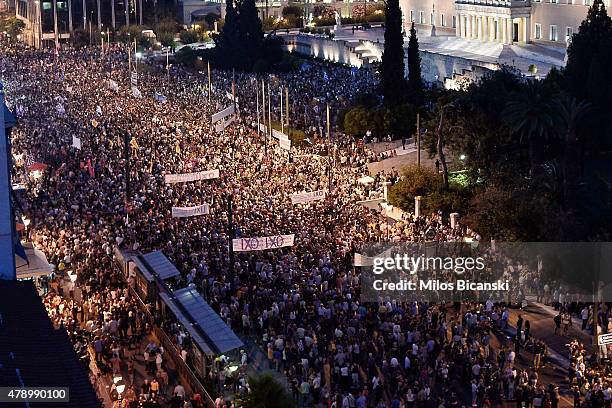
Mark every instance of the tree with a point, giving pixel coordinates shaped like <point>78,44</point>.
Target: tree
<point>250,30</point>
<point>591,43</point>
<point>529,116</point>
<point>265,392</point>
<point>189,37</point>
<point>570,117</point>
<point>416,181</point>
<point>392,81</point>
<point>414,61</point>
<point>13,26</point>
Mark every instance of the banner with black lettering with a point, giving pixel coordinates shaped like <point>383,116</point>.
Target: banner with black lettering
<point>223,114</point>
<point>221,125</point>
<point>277,134</point>
<point>262,243</point>
<point>362,260</point>
<point>186,177</point>
<point>285,144</point>
<point>300,198</point>
<point>182,212</point>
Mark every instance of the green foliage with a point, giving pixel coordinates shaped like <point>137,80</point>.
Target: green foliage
<point>166,39</point>
<point>80,38</point>
<point>166,25</point>
<point>13,26</point>
<point>293,9</point>
<point>265,392</point>
<point>414,62</point>
<point>392,81</point>
<point>187,56</point>
<point>427,183</point>
<point>589,67</point>
<point>381,121</point>
<point>189,37</point>
<point>241,43</point>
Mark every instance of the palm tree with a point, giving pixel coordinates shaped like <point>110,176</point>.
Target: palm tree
<point>265,392</point>
<point>570,115</point>
<point>529,116</point>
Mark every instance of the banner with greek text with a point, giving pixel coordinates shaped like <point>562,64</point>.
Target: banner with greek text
<point>361,260</point>
<point>223,114</point>
<point>221,125</point>
<point>285,144</point>
<point>262,243</point>
<point>279,135</point>
<point>186,177</point>
<point>182,212</point>
<point>300,198</point>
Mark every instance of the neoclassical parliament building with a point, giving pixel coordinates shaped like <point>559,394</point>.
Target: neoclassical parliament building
<point>546,22</point>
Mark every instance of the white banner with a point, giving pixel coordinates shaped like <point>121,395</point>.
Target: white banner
<point>362,260</point>
<point>263,128</point>
<point>299,198</point>
<point>136,92</point>
<point>279,135</point>
<point>220,126</point>
<point>76,142</point>
<point>262,243</point>
<point>285,144</point>
<point>134,78</point>
<point>112,85</point>
<point>223,114</point>
<point>186,177</point>
<point>230,96</point>
<point>182,212</point>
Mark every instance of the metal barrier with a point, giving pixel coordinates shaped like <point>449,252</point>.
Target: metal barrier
<point>183,370</point>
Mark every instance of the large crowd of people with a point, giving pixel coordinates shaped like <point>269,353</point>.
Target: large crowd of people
<point>301,304</point>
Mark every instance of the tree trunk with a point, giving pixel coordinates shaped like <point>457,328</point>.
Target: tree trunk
<point>441,155</point>
<point>570,155</point>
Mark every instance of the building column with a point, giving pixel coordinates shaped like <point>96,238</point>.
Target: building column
<point>458,26</point>
<point>474,27</point>
<point>504,30</point>
<point>528,29</point>
<point>510,28</point>
<point>70,28</point>
<point>468,26</point>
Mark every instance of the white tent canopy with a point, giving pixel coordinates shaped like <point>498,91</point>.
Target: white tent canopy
<point>36,265</point>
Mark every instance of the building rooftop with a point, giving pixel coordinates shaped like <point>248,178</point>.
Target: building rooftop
<point>33,353</point>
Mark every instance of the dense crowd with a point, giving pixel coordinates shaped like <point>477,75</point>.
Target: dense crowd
<point>301,304</point>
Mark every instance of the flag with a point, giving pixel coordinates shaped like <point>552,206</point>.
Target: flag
<point>133,143</point>
<point>76,142</point>
<point>19,250</point>
<point>178,148</point>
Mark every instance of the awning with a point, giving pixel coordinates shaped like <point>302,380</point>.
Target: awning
<point>36,265</point>
<point>160,265</point>
<point>205,326</point>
